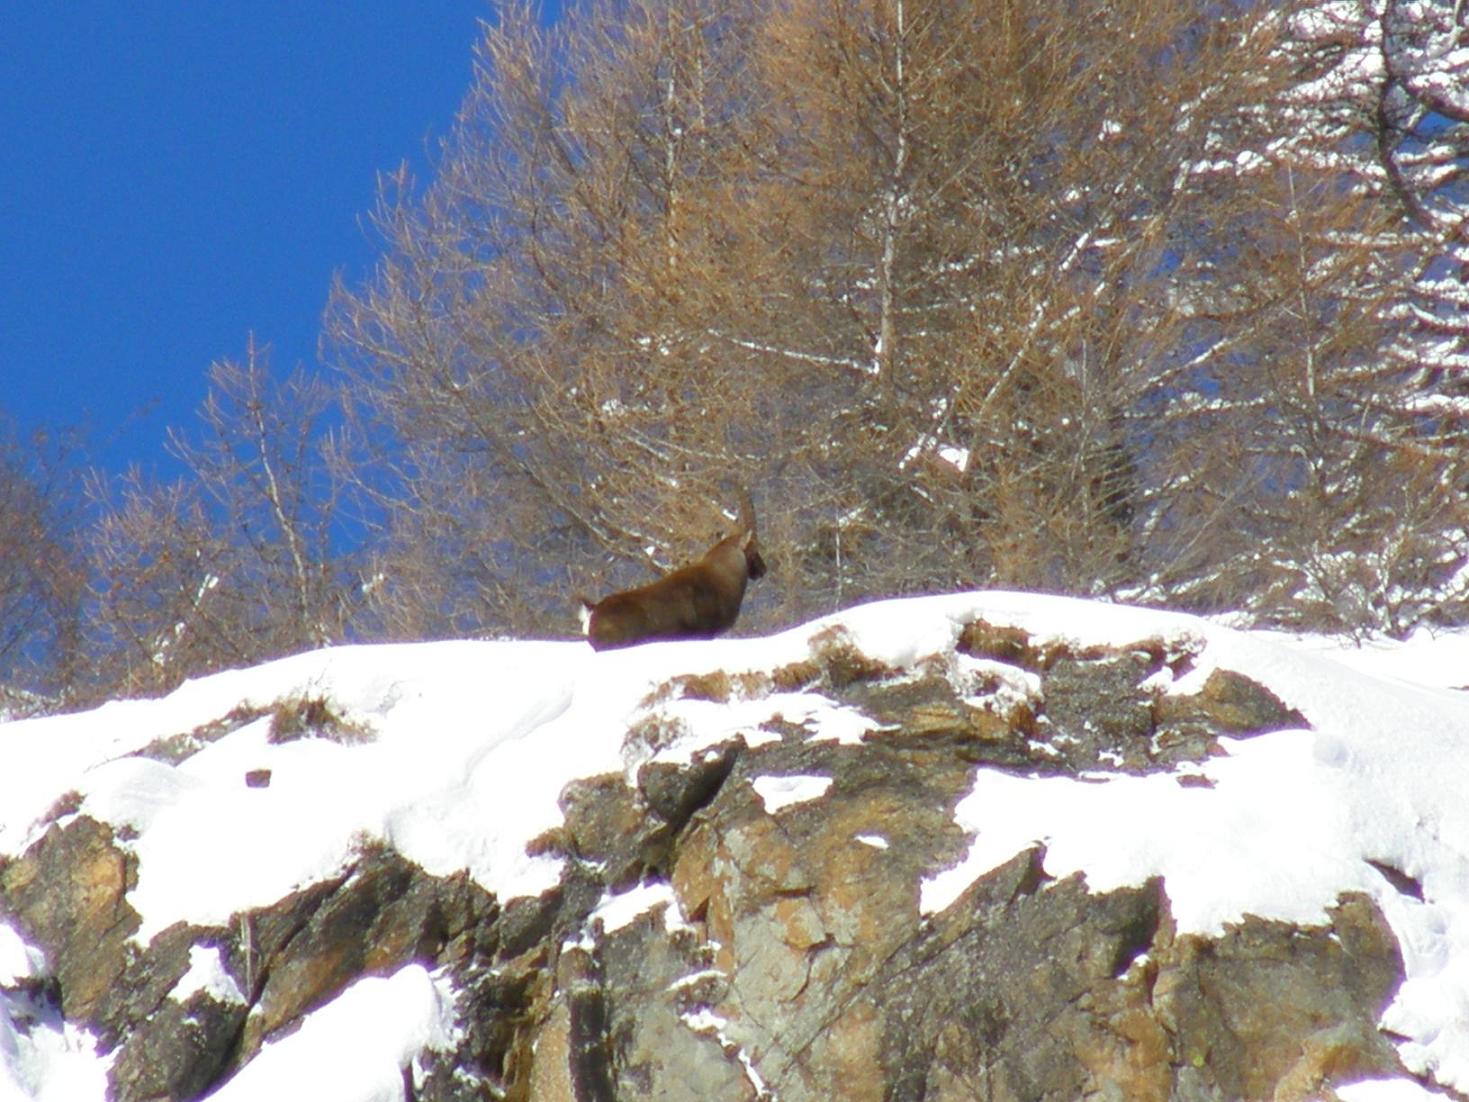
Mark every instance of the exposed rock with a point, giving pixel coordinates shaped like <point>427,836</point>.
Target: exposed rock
<point>656,1048</point>
<point>1270,1001</point>
<point>1095,714</point>
<point>384,914</point>
<point>178,1051</point>
<point>69,895</point>
<point>1229,703</point>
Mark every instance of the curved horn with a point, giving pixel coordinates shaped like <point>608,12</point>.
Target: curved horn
<point>747,513</point>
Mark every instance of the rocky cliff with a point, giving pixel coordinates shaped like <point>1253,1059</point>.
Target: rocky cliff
<point>980,848</point>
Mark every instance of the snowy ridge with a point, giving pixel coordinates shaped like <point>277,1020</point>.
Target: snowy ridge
<point>468,744</point>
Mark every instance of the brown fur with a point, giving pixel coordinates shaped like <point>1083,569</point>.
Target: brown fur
<point>697,601</point>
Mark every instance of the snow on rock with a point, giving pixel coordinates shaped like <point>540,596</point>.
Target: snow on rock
<point>354,1048</point>
<point>780,792</point>
<point>1387,1090</point>
<point>465,748</point>
<point>207,973</point>
<point>617,911</point>
<point>18,961</point>
<point>41,1057</point>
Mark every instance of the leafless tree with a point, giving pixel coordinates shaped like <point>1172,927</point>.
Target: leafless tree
<point>1333,447</point>
<point>1111,299</point>
<point>232,563</point>
<point>40,576</point>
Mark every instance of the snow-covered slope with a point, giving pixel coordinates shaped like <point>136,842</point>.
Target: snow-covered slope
<point>462,748</point>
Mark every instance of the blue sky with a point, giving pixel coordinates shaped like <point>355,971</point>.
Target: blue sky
<point>175,175</point>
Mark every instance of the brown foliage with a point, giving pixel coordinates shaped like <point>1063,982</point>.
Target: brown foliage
<point>1091,297</point>
<point>901,266</point>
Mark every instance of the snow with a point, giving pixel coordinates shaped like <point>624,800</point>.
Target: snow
<point>1387,1090</point>
<point>954,456</point>
<point>781,792</point>
<point>207,973</point>
<point>46,1060</point>
<point>468,745</point>
<point>354,1048</point>
<point>18,961</point>
<point>616,911</point>
<point>41,1057</point>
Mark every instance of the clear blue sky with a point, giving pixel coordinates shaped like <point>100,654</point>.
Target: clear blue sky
<point>175,175</point>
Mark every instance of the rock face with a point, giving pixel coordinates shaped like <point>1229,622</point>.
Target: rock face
<point>770,946</point>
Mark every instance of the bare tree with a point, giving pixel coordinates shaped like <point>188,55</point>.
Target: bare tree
<point>234,563</point>
<point>40,576</point>
<point>537,343</point>
<point>898,265</point>
<point>1328,452</point>
<point>1112,299</point>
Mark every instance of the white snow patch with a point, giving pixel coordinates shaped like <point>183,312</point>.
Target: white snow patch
<point>702,724</point>
<point>355,1048</point>
<point>694,978</point>
<point>954,456</point>
<point>781,792</point>
<point>1387,1090</point>
<point>207,973</point>
<point>616,911</point>
<point>42,1058</point>
<point>703,1020</point>
<point>18,960</point>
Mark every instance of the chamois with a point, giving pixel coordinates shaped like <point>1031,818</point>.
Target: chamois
<point>697,601</point>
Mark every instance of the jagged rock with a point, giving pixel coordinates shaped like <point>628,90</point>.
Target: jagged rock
<point>1229,703</point>
<point>385,913</point>
<point>997,999</point>
<point>606,825</point>
<point>1002,643</point>
<point>674,792</point>
<point>664,1050</point>
<point>819,972</point>
<point>506,1013</point>
<point>1270,1000</point>
<point>178,1051</point>
<point>69,894</point>
<point>930,709</point>
<point>1095,714</point>
<point>146,980</point>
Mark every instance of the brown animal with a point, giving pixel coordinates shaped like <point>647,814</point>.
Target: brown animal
<point>697,601</point>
